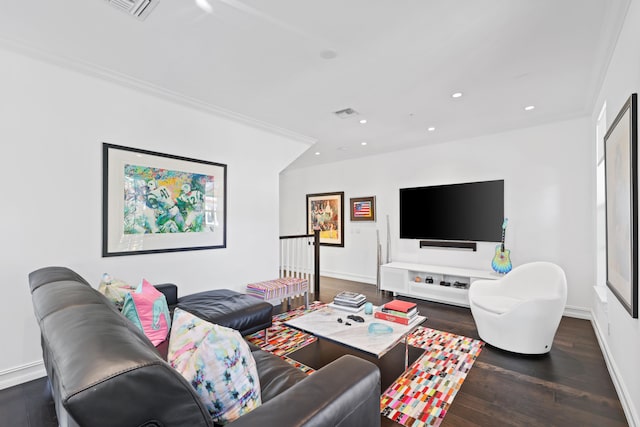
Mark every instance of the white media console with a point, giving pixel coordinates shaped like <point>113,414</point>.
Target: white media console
<point>400,278</point>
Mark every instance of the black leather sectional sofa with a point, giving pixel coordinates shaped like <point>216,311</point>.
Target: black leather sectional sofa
<point>105,372</point>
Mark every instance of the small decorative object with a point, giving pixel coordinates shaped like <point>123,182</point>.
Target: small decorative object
<point>417,279</point>
<point>379,329</point>
<point>325,212</point>
<point>501,262</point>
<point>428,279</point>
<point>368,308</point>
<point>363,208</point>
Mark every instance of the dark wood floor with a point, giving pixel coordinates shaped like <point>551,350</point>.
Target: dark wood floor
<point>568,387</point>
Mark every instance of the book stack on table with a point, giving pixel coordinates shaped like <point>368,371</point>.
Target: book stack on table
<point>350,301</point>
<point>403,312</point>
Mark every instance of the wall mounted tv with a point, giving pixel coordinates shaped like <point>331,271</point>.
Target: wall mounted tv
<point>471,211</point>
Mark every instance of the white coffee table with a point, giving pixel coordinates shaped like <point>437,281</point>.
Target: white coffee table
<point>324,323</point>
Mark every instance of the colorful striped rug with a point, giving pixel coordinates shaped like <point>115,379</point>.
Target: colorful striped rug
<point>284,340</point>
<point>423,393</point>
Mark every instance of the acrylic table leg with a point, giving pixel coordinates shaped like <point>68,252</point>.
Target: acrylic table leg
<point>406,352</point>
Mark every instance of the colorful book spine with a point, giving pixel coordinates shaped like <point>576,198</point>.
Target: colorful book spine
<point>391,317</point>
<point>410,314</point>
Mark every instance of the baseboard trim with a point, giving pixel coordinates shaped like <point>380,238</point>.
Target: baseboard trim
<point>22,374</point>
<point>351,277</point>
<point>625,400</point>
<point>578,312</point>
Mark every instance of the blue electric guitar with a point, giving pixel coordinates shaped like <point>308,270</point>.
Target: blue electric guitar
<point>501,262</point>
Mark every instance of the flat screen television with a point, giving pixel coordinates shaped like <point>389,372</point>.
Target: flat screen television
<point>472,211</point>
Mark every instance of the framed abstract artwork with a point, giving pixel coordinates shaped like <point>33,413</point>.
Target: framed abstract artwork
<point>325,212</point>
<point>621,195</point>
<point>363,208</point>
<point>154,202</point>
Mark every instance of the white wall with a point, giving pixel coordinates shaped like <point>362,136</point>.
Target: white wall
<point>548,200</point>
<point>52,123</point>
<point>618,332</point>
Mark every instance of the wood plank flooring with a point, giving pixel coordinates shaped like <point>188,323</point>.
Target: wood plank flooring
<point>568,387</point>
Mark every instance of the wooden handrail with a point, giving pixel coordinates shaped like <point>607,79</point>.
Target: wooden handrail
<point>297,236</point>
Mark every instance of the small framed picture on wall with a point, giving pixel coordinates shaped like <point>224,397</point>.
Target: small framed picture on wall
<point>363,208</point>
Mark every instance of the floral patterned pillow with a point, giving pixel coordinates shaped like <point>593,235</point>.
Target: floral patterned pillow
<point>115,290</point>
<point>218,363</point>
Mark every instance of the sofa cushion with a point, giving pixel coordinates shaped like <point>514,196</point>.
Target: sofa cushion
<point>218,363</point>
<point>275,374</point>
<point>147,308</point>
<point>114,289</point>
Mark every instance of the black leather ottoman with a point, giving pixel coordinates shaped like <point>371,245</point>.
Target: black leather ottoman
<point>228,308</point>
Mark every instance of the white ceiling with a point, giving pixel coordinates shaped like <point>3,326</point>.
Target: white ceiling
<point>397,61</point>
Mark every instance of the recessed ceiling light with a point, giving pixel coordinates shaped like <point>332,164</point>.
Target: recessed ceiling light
<point>317,153</point>
<point>328,54</point>
<point>363,121</point>
<point>529,107</point>
<point>431,129</point>
<point>363,143</point>
<point>204,5</point>
<point>456,95</point>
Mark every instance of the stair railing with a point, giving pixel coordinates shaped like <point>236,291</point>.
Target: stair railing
<point>300,258</point>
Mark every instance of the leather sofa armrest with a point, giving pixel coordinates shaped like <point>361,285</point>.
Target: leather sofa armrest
<point>170,292</point>
<point>346,392</point>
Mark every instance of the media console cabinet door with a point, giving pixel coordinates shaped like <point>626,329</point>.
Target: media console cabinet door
<point>393,279</point>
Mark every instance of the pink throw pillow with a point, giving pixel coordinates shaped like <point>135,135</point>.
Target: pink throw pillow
<point>147,308</point>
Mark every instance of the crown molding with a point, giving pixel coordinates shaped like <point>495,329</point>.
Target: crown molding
<point>130,82</point>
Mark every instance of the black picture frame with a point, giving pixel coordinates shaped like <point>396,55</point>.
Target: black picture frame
<point>621,205</point>
<point>325,211</point>
<point>155,202</point>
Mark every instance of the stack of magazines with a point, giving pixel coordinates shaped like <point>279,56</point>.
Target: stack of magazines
<point>403,312</point>
<point>350,301</point>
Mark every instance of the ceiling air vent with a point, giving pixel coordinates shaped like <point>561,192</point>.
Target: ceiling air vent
<point>346,113</point>
<point>138,8</point>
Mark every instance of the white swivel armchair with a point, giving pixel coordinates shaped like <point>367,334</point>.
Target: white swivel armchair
<point>521,311</point>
